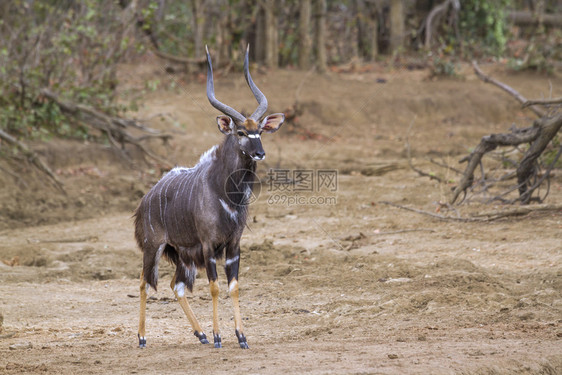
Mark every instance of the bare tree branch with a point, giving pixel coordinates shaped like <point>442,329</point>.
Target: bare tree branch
<point>548,127</point>
<point>437,10</point>
<point>177,59</point>
<point>525,18</point>
<point>538,136</point>
<point>542,102</point>
<point>486,216</point>
<point>518,211</point>
<point>487,144</point>
<point>34,159</point>
<point>506,88</point>
<point>436,216</point>
<point>417,170</point>
<point>114,127</point>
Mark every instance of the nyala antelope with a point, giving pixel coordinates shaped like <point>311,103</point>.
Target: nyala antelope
<point>189,218</point>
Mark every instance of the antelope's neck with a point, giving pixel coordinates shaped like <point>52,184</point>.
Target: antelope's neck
<point>235,172</point>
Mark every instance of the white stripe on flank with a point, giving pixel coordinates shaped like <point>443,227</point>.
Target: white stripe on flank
<point>149,208</point>
<point>232,213</point>
<point>228,262</point>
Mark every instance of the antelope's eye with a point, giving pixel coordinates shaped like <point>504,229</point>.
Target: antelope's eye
<point>241,133</point>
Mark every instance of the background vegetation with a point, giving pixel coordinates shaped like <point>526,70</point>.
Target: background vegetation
<point>71,50</point>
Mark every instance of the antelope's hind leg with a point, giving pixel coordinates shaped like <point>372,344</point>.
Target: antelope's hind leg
<point>142,318</point>
<point>184,277</point>
<point>149,276</point>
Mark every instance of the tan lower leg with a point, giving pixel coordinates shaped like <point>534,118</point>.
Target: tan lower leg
<point>214,285</point>
<point>234,294</point>
<point>190,315</point>
<point>187,309</point>
<point>142,318</point>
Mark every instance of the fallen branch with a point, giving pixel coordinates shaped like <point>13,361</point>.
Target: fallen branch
<point>485,216</point>
<point>431,214</point>
<point>177,59</point>
<point>65,240</point>
<point>526,18</point>
<point>405,231</point>
<point>487,144</point>
<point>538,136</point>
<point>34,159</point>
<point>115,128</point>
<point>446,166</point>
<point>17,178</point>
<point>418,171</point>
<point>547,127</point>
<point>506,88</point>
<point>544,102</point>
<point>518,211</point>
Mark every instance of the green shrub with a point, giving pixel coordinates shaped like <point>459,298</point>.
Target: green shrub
<point>71,48</point>
<point>482,24</point>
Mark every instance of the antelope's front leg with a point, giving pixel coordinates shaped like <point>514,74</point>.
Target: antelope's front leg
<point>211,266</point>
<point>231,267</point>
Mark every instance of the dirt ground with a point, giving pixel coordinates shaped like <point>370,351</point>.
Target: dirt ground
<point>327,286</point>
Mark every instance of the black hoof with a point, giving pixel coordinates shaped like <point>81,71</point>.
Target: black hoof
<point>244,345</point>
<point>242,340</point>
<point>217,339</point>
<point>201,336</point>
<point>142,342</point>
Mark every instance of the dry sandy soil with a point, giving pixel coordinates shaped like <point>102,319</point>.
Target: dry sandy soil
<point>352,287</point>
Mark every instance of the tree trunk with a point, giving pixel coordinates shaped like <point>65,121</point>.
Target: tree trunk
<point>374,26</point>
<point>367,29</point>
<point>304,36</point>
<point>358,11</point>
<point>260,36</point>
<point>266,34</point>
<point>320,35</point>
<point>271,54</point>
<point>197,10</point>
<point>523,18</point>
<point>548,128</point>
<point>396,25</point>
<point>222,31</point>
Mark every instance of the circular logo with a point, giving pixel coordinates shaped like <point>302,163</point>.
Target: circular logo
<point>242,187</point>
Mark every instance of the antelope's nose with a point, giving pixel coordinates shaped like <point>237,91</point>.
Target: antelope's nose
<point>259,155</point>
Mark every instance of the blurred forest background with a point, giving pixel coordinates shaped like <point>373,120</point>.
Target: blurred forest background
<point>59,58</point>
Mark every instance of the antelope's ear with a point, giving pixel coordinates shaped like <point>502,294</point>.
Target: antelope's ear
<point>226,125</point>
<point>272,123</point>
